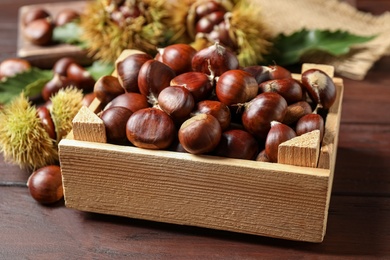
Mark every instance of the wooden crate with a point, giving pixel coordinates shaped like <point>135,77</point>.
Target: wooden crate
<point>267,199</point>
<point>46,56</point>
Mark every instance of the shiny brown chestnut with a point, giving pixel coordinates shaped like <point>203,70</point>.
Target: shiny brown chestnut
<point>150,128</point>
<point>176,101</point>
<point>34,14</point>
<point>236,86</point>
<point>199,84</point>
<point>82,78</point>
<point>261,111</point>
<point>65,16</point>
<point>45,184</point>
<point>208,7</point>
<point>237,143</point>
<point>206,23</point>
<point>177,56</point>
<point>262,157</point>
<point>288,88</point>
<point>214,60</point>
<point>260,73</point>
<point>13,66</point>
<point>278,72</point>
<point>295,111</point>
<point>215,108</point>
<point>200,134</point>
<point>61,66</point>
<point>310,122</point>
<point>44,115</point>
<point>130,100</point>
<point>39,32</point>
<point>278,134</point>
<point>115,120</point>
<point>107,88</point>
<point>54,85</point>
<point>320,87</point>
<point>128,70</point>
<point>153,77</point>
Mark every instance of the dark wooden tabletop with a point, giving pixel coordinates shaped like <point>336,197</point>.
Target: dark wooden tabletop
<point>359,214</point>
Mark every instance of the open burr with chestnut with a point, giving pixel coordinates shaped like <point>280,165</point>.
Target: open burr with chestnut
<point>211,105</point>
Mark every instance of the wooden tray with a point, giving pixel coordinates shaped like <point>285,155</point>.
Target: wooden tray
<point>267,199</point>
<point>45,57</point>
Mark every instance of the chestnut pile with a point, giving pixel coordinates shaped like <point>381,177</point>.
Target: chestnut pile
<point>67,72</point>
<point>203,102</point>
<point>38,24</point>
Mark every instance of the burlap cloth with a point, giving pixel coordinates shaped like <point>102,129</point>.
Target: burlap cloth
<point>285,16</point>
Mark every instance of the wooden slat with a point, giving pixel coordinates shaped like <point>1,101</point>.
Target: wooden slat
<point>302,150</point>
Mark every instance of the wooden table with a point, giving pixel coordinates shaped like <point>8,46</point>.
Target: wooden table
<point>359,214</point>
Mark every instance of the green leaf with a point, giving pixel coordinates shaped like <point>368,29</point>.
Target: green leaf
<point>31,81</point>
<point>68,33</point>
<point>289,49</point>
<point>99,69</point>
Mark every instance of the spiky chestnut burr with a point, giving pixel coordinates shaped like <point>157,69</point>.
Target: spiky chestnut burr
<point>109,27</point>
<point>235,24</point>
<point>23,138</point>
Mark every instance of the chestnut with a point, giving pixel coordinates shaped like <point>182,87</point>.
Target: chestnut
<point>198,83</point>
<point>65,16</point>
<point>153,77</point>
<point>288,88</point>
<point>320,87</point>
<point>278,134</point>
<point>309,123</point>
<point>278,72</point>
<point>107,88</point>
<point>260,73</point>
<point>44,115</point>
<point>206,23</point>
<point>115,120</point>
<point>296,111</point>
<point>34,14</point>
<point>262,157</point>
<point>261,111</point>
<point>236,86</point>
<point>61,66</point>
<point>177,56</point>
<point>130,100</point>
<point>215,108</point>
<point>214,60</point>
<point>128,70</point>
<point>39,32</point>
<point>208,7</point>
<point>82,78</point>
<point>88,98</point>
<point>150,128</point>
<point>45,184</point>
<point>54,85</point>
<point>13,66</point>
<point>200,134</point>
<point>237,143</point>
<point>177,102</point>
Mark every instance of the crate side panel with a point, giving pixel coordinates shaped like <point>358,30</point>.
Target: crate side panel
<point>195,191</point>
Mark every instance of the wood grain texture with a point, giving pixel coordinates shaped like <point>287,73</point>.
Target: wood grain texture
<point>359,213</point>
<point>87,126</point>
<point>302,150</point>
<point>180,188</point>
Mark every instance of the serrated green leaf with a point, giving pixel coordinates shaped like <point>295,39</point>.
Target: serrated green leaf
<point>99,69</point>
<point>68,33</point>
<point>289,49</point>
<point>30,80</point>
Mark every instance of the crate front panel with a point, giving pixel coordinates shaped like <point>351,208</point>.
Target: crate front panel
<point>227,194</point>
